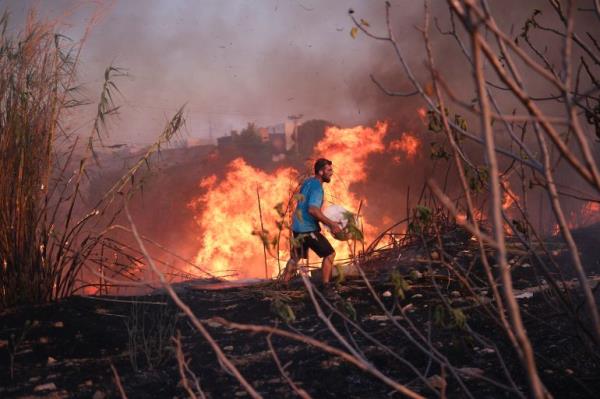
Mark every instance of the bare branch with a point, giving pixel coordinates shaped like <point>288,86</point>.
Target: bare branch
<point>186,309</point>
<point>392,93</point>
<point>118,382</point>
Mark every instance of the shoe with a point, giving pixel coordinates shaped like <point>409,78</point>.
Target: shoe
<point>330,292</point>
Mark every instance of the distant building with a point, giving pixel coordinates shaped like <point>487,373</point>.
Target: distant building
<point>287,130</point>
<point>275,140</point>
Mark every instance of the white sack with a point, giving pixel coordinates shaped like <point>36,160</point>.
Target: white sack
<point>336,213</point>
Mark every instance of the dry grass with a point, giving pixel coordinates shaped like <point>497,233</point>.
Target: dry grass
<point>47,235</point>
<point>34,73</point>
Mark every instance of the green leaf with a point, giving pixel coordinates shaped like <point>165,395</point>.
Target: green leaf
<point>283,310</point>
<point>460,121</point>
<point>438,152</point>
<point>340,274</point>
<point>458,317</point>
<point>400,284</point>
<point>347,308</point>
<point>352,230</point>
<point>423,213</point>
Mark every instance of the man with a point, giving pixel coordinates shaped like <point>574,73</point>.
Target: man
<point>305,224</point>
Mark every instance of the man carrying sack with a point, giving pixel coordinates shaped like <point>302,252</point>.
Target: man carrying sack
<point>305,224</point>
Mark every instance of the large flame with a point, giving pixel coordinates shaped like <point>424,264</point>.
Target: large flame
<point>348,150</point>
<point>228,214</point>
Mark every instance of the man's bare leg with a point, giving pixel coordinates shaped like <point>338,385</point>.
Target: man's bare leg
<point>290,269</point>
<point>327,268</point>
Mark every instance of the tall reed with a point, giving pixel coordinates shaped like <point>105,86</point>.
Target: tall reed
<point>35,74</point>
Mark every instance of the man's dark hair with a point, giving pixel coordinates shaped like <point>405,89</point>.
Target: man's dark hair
<point>321,163</point>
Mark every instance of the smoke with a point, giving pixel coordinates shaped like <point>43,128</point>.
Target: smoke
<point>238,61</point>
<point>229,62</point>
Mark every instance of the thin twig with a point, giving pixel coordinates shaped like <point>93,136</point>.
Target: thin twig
<point>118,382</point>
<point>230,367</point>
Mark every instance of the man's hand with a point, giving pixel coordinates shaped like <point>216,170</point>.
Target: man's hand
<point>336,228</point>
<point>315,212</point>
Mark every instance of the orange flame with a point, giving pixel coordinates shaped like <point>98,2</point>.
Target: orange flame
<point>348,150</point>
<point>228,215</point>
<point>509,197</point>
<point>408,144</point>
<point>461,218</point>
<point>591,212</point>
<point>588,214</point>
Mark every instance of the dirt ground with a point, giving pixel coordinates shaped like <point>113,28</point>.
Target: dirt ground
<point>66,349</point>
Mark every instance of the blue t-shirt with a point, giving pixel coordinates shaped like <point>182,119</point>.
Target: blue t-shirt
<point>311,194</point>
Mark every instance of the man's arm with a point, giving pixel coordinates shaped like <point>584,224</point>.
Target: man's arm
<point>318,214</point>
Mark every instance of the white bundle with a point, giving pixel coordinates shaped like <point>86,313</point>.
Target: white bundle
<point>340,215</point>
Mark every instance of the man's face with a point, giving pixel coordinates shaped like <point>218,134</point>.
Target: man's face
<point>326,173</point>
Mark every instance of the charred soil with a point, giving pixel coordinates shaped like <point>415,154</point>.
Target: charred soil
<point>65,349</point>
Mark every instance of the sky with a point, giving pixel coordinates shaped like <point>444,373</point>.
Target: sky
<point>238,61</point>
<point>229,62</point>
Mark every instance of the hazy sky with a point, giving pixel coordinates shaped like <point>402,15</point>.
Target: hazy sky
<point>239,61</point>
<point>233,61</point>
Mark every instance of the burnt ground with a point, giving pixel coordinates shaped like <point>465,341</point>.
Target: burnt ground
<point>65,349</point>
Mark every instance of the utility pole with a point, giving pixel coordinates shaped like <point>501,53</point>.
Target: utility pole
<point>295,119</point>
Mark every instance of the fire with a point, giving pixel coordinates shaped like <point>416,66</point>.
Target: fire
<point>408,144</point>
<point>461,218</point>
<point>588,214</point>
<point>349,149</point>
<point>591,212</point>
<point>422,112</point>
<point>509,197</point>
<point>227,213</point>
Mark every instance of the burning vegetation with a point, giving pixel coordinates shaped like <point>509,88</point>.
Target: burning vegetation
<point>228,214</point>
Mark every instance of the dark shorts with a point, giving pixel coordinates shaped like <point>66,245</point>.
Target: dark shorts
<point>313,240</point>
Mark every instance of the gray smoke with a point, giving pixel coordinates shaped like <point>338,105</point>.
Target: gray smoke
<point>233,62</point>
